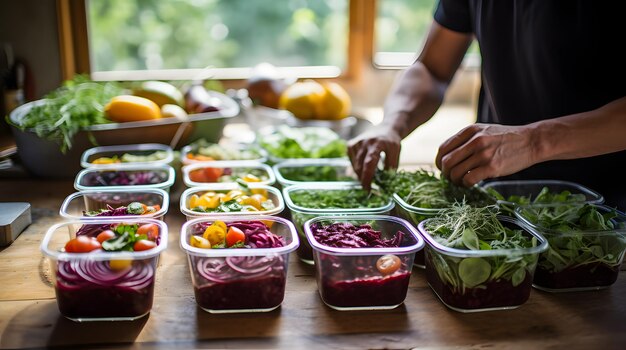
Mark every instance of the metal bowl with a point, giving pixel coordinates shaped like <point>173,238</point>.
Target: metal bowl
<point>43,157</point>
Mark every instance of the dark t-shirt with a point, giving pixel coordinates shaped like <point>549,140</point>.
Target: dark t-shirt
<point>544,59</point>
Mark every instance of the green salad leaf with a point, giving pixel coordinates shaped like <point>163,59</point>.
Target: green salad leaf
<point>545,196</point>
<point>337,199</point>
<point>315,173</point>
<point>309,142</point>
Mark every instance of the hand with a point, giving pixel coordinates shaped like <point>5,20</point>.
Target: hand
<point>365,149</point>
<point>483,151</point>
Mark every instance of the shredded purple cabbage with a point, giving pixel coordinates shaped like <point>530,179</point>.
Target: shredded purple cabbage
<point>346,235</point>
<point>124,178</point>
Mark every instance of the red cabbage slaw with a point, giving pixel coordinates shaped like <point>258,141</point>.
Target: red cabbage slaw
<point>347,235</point>
<point>230,268</point>
<point>124,178</point>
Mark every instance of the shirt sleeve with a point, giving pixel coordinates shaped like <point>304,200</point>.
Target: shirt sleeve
<point>454,15</point>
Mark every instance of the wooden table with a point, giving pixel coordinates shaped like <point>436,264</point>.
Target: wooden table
<point>29,317</point>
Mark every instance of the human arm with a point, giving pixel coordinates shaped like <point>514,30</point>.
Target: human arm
<point>483,151</point>
<point>412,101</point>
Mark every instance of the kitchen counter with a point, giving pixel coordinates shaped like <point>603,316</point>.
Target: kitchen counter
<point>29,317</point>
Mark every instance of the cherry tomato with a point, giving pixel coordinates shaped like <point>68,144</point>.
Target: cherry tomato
<point>143,244</point>
<point>234,235</point>
<point>213,174</point>
<point>82,244</point>
<point>388,264</point>
<point>150,230</point>
<point>105,235</point>
<point>198,176</point>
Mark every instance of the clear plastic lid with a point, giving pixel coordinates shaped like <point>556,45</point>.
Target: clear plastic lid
<point>288,191</point>
<point>235,166</point>
<point>619,221</point>
<point>279,226</point>
<point>342,168</point>
<point>272,193</point>
<point>383,223</point>
<point>127,155</point>
<point>114,178</point>
<point>92,200</point>
<point>190,149</point>
<point>531,188</point>
<point>463,253</point>
<point>58,235</point>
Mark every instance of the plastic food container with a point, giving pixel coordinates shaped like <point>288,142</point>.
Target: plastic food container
<point>293,172</point>
<point>77,203</point>
<point>444,265</point>
<point>143,177</point>
<point>531,188</point>
<point>301,214</point>
<point>127,155</point>
<point>88,288</point>
<point>239,279</point>
<point>349,278</point>
<point>252,148</point>
<point>272,194</point>
<point>234,169</point>
<point>577,260</point>
<point>414,215</point>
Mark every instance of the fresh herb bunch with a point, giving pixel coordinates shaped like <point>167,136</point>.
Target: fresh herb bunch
<point>424,189</point>
<point>578,234</point>
<point>478,228</point>
<point>315,173</point>
<point>337,199</point>
<point>78,104</point>
<point>545,196</point>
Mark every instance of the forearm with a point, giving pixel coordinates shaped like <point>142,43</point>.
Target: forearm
<point>413,100</point>
<point>581,135</point>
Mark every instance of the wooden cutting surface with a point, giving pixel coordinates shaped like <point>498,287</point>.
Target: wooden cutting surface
<point>29,317</point>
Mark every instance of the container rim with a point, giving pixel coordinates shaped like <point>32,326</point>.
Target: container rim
<point>597,198</point>
<point>411,208</point>
<point>165,202</point>
<point>162,185</point>
<point>463,253</point>
<point>280,206</point>
<point>324,186</point>
<point>304,162</point>
<point>239,146</point>
<point>419,241</point>
<point>84,159</point>
<point>271,179</point>
<point>101,255</point>
<point>184,242</point>
<point>545,231</point>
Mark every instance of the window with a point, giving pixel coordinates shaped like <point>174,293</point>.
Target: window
<point>181,37</point>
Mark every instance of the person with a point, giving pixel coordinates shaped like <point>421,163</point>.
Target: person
<point>552,102</point>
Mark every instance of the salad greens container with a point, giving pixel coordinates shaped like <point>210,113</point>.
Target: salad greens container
<point>587,245</point>
<point>297,171</point>
<point>226,173</point>
<point>284,142</point>
<point>480,264</point>
<point>129,203</point>
<point>234,200</point>
<point>138,176</point>
<point>249,278</point>
<point>369,267</point>
<point>102,285</point>
<point>310,200</point>
<point>203,151</point>
<point>511,194</point>
<point>122,155</point>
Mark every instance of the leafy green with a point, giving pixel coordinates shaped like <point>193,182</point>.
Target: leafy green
<point>78,104</point>
<point>219,152</point>
<point>424,189</point>
<point>126,236</point>
<point>578,234</point>
<point>545,196</point>
<point>315,173</point>
<point>478,228</point>
<point>309,142</point>
<point>337,199</point>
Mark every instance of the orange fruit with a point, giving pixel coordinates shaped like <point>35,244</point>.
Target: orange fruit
<point>336,103</point>
<point>301,99</point>
<point>129,108</point>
